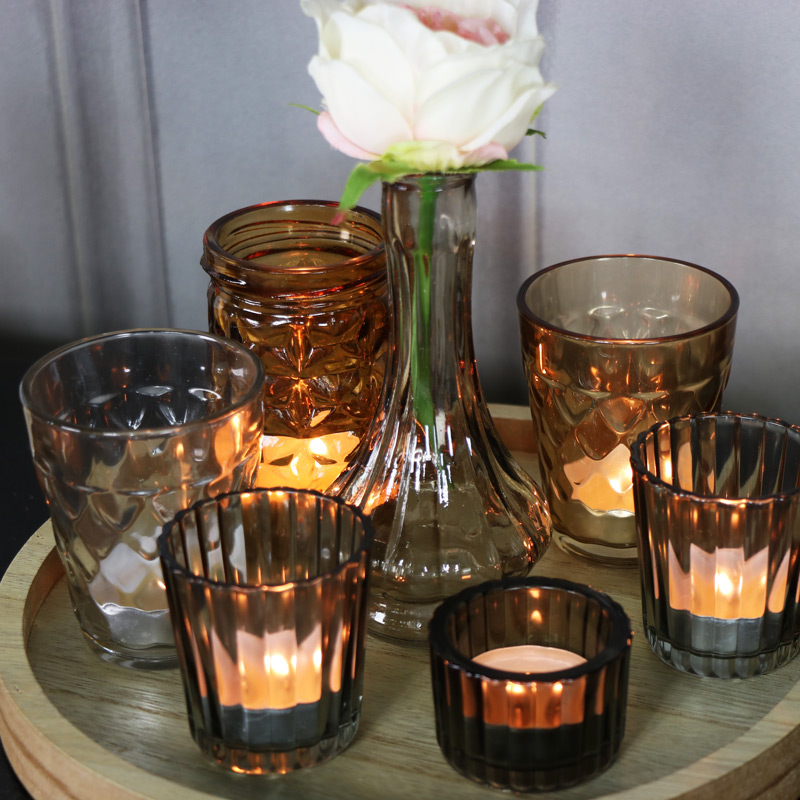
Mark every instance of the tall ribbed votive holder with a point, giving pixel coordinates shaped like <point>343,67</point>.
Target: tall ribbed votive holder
<point>717,500</point>
<point>268,597</point>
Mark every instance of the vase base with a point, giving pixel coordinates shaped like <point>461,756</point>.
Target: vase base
<point>401,619</point>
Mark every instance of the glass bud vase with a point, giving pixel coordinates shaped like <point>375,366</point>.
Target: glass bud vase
<point>448,502</point>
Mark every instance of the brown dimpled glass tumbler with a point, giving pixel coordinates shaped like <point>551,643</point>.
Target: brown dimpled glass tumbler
<point>612,345</point>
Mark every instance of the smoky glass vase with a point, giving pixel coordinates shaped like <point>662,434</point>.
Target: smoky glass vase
<point>448,502</point>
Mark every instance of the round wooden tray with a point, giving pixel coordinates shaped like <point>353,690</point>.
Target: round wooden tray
<point>76,727</point>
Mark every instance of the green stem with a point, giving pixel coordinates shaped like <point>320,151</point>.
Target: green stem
<point>421,313</point>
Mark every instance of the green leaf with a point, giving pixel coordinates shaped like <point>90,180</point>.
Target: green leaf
<point>534,132</point>
<point>306,108</point>
<point>364,175</point>
<point>503,165</point>
<point>359,180</point>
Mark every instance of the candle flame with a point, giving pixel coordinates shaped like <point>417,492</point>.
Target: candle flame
<point>318,447</point>
<point>279,664</point>
<point>724,584</point>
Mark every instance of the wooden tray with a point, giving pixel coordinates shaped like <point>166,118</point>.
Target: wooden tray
<point>76,727</point>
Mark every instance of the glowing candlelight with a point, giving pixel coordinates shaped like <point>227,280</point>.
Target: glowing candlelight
<point>529,659</point>
<point>604,484</point>
<point>305,463</point>
<point>273,671</point>
<point>726,585</point>
<point>533,704</point>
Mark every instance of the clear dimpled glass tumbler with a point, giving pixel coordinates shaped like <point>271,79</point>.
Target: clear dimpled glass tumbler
<point>126,429</point>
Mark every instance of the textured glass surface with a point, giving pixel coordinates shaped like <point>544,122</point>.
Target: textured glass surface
<point>268,592</point>
<point>126,430</point>
<point>449,504</point>
<point>718,518</point>
<point>310,299</point>
<point>610,346</point>
<point>530,732</point>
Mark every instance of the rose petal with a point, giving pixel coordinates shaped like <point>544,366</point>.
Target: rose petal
<point>504,12</point>
<point>510,128</point>
<point>463,110</point>
<point>339,141</point>
<point>421,46</point>
<point>485,155</point>
<point>362,114</point>
<point>373,52</point>
<point>476,60</point>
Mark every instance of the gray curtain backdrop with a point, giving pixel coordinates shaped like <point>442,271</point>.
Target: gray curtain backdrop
<point>127,127</point>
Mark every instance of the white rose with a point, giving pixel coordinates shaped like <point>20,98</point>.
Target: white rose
<point>447,84</point>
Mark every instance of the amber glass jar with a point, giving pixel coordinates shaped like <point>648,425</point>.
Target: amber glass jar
<point>310,298</point>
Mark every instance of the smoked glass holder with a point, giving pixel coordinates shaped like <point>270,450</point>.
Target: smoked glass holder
<point>268,596</point>
<point>530,732</point>
<point>718,516</point>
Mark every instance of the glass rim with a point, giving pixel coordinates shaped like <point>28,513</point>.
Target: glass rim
<point>639,468</point>
<point>212,244</point>
<point>721,321</point>
<point>253,392</point>
<point>168,559</point>
<point>619,641</point>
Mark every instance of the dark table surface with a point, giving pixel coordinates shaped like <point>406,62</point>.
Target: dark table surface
<point>24,506</point>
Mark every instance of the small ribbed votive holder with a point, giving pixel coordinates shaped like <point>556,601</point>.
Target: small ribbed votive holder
<point>530,682</point>
<point>268,596</point>
<point>717,500</point>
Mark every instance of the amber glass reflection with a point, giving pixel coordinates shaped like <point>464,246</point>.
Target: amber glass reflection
<point>530,732</point>
<point>268,594</point>
<point>611,345</point>
<point>309,297</point>
<point>718,517</point>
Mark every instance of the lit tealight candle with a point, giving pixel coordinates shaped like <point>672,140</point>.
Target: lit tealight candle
<point>305,463</point>
<point>520,704</point>
<point>529,659</point>
<point>604,484</point>
<point>273,672</point>
<point>726,585</point>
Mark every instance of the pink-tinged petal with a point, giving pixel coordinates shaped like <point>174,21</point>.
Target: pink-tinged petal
<point>422,47</point>
<point>337,140</point>
<point>360,111</point>
<point>485,155</point>
<point>504,12</point>
<point>484,31</point>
